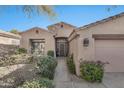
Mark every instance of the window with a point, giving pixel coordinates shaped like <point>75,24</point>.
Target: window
<point>38,46</point>
<point>86,42</point>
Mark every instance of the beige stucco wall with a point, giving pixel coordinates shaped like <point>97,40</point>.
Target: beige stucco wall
<point>43,34</point>
<point>9,41</point>
<point>61,31</point>
<point>115,26</point>
<point>73,49</point>
<point>110,27</point>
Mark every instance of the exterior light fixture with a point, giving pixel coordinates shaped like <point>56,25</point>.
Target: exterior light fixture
<point>62,26</point>
<point>37,31</point>
<point>86,42</point>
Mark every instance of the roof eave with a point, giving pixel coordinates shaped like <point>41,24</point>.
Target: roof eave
<point>101,21</point>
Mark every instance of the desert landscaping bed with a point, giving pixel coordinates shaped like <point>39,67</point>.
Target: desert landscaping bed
<point>27,70</point>
<point>15,59</point>
<point>14,75</point>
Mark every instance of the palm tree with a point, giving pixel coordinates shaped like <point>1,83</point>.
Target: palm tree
<point>110,8</point>
<point>30,10</point>
<point>39,9</point>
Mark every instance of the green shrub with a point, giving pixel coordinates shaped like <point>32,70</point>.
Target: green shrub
<point>46,66</point>
<point>50,53</point>
<point>71,65</point>
<point>7,60</point>
<point>92,71</point>
<point>21,50</point>
<point>41,83</point>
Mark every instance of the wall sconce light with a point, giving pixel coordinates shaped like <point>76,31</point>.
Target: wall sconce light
<point>37,31</point>
<point>61,25</point>
<point>85,42</point>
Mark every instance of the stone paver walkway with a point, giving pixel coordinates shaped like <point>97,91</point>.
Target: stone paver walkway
<point>63,79</point>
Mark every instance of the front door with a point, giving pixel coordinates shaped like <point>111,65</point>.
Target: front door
<point>61,47</point>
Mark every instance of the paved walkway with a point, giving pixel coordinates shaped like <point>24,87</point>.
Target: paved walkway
<point>62,78</point>
<point>65,80</point>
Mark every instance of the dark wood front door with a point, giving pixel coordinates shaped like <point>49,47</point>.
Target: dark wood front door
<point>61,47</point>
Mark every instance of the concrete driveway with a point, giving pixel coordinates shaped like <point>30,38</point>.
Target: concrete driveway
<point>110,80</point>
<point>114,80</point>
<point>65,80</point>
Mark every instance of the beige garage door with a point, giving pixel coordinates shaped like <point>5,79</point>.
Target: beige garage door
<point>111,51</point>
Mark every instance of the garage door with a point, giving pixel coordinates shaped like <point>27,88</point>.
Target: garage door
<point>111,51</point>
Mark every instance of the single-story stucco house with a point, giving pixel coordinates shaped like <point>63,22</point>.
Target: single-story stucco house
<point>102,40</point>
<point>40,40</point>
<point>8,43</point>
<point>8,38</point>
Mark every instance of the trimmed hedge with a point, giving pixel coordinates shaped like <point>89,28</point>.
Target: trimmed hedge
<point>46,66</point>
<point>92,71</point>
<point>21,50</point>
<point>50,53</point>
<point>70,64</point>
<point>41,83</point>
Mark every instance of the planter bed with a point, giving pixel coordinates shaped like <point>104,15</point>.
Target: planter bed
<point>15,59</point>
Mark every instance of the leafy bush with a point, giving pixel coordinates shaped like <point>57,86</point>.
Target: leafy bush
<point>92,71</point>
<point>41,83</point>
<point>21,50</point>
<point>7,60</point>
<point>50,53</point>
<point>71,65</point>
<point>46,66</point>
<point>14,31</point>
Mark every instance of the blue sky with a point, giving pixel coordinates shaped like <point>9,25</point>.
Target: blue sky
<point>13,18</point>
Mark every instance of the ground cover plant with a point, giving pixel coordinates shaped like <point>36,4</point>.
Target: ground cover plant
<point>46,66</point>
<point>92,71</point>
<point>21,50</point>
<point>70,64</point>
<point>38,83</point>
<point>15,59</point>
<point>50,53</point>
